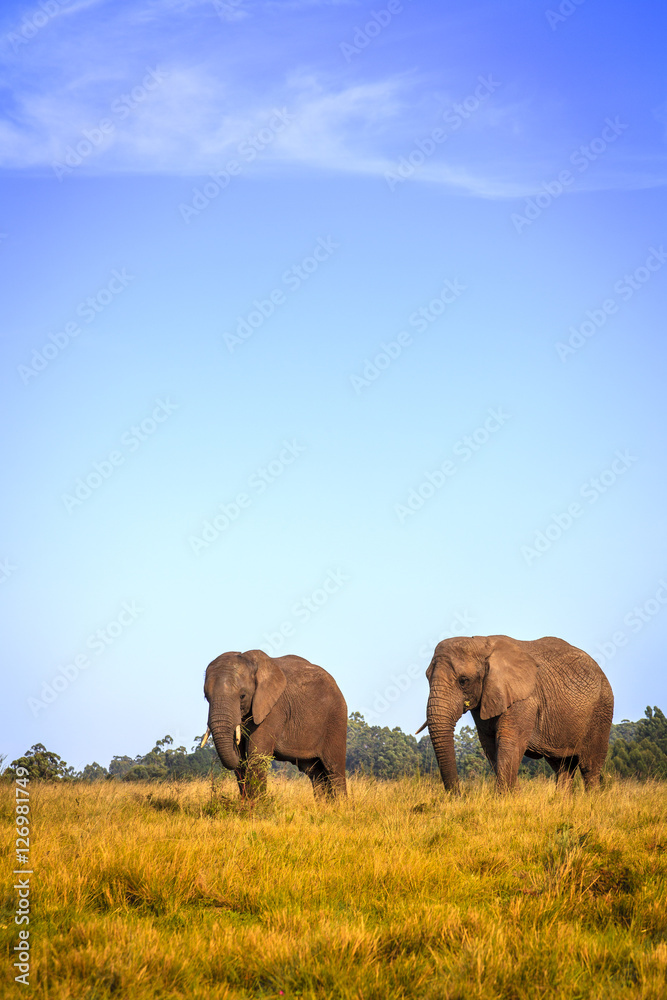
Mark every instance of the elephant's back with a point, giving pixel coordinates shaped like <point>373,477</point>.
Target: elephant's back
<point>572,679</point>
<point>309,677</point>
<point>564,658</point>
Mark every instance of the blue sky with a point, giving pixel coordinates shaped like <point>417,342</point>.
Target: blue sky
<point>379,288</point>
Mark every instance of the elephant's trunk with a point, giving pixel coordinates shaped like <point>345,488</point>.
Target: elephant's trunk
<point>223,725</point>
<point>442,718</point>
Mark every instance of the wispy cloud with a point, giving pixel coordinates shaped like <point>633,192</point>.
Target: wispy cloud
<point>214,92</point>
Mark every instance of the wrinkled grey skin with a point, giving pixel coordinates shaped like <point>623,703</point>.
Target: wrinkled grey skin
<point>287,708</point>
<point>543,698</point>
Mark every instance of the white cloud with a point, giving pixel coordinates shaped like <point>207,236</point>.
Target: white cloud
<point>214,96</point>
<point>191,122</point>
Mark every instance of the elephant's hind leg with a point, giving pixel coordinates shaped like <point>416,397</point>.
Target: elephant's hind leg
<point>334,767</point>
<point>590,773</point>
<point>590,765</point>
<point>320,780</point>
<point>594,742</point>
<point>317,774</point>
<point>592,758</point>
<point>565,768</point>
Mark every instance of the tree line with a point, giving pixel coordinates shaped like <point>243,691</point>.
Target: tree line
<point>636,750</point>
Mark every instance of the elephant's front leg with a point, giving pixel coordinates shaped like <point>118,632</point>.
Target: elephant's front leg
<point>512,736</point>
<point>242,770</point>
<point>260,749</point>
<point>240,773</point>
<point>256,775</point>
<point>507,766</point>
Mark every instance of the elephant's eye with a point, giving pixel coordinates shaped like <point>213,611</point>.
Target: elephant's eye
<point>463,681</point>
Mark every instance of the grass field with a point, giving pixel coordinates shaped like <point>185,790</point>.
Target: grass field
<point>165,891</point>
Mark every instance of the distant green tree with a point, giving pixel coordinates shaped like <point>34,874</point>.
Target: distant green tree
<point>42,763</point>
<point>390,753</point>
<point>637,749</point>
<point>93,772</point>
<point>165,762</point>
<point>428,763</point>
<point>119,766</point>
<point>379,751</point>
<point>645,755</point>
<point>653,728</point>
<point>471,760</point>
<point>623,730</point>
<point>201,762</point>
<point>153,765</point>
<point>284,769</point>
<point>529,768</point>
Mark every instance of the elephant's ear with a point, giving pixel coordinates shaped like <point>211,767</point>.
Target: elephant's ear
<point>511,676</point>
<point>271,683</point>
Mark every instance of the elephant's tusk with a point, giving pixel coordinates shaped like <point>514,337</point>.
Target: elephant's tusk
<point>237,734</point>
<point>205,738</point>
<point>422,727</point>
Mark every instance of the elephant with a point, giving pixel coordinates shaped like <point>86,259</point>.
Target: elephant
<point>541,698</point>
<point>282,707</point>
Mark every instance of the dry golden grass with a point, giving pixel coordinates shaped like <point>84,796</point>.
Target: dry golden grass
<point>144,891</point>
